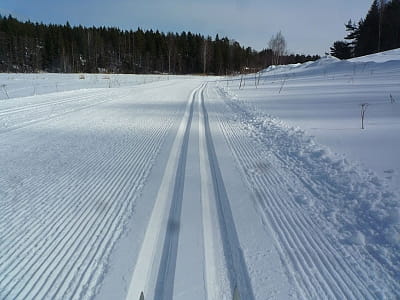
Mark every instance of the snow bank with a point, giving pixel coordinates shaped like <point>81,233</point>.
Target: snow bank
<point>379,57</point>
<point>352,206</point>
<point>324,97</point>
<point>308,117</point>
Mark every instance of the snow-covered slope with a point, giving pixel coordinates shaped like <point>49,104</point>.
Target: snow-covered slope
<point>324,97</point>
<point>392,55</point>
<point>306,118</point>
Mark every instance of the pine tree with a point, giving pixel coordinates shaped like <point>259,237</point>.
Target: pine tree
<point>379,31</point>
<point>368,40</point>
<point>391,25</point>
<point>341,50</point>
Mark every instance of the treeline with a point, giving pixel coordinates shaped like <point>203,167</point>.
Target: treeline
<point>34,47</point>
<point>379,31</point>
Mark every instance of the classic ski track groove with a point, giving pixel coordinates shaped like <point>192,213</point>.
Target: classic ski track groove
<point>70,250</point>
<point>237,272</point>
<point>62,251</point>
<point>349,266</point>
<point>317,272</point>
<point>166,272</point>
<point>151,265</point>
<point>156,272</point>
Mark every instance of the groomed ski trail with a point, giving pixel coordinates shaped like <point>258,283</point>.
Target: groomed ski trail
<point>59,227</point>
<point>152,264</point>
<point>318,265</point>
<point>217,198</point>
<point>203,197</point>
<point>224,266</point>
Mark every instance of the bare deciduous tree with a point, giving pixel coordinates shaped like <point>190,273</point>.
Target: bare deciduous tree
<point>278,46</point>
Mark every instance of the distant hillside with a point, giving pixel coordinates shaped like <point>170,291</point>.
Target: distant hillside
<point>34,47</point>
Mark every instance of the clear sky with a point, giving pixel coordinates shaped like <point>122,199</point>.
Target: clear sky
<point>309,26</point>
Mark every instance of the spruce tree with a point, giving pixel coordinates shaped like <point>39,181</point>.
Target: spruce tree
<point>341,50</point>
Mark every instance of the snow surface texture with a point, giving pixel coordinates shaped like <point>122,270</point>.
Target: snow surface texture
<point>23,85</point>
<point>324,97</point>
<point>191,188</point>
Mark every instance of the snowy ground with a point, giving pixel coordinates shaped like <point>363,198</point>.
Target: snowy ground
<point>23,85</point>
<point>189,188</point>
<point>323,98</point>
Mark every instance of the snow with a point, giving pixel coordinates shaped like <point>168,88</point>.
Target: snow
<point>186,187</point>
<point>309,115</point>
<point>23,85</point>
<point>391,55</point>
<point>323,98</point>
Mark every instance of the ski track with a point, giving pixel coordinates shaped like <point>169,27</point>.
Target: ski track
<point>236,266</point>
<point>166,274</point>
<point>15,118</point>
<point>51,102</point>
<point>156,272</point>
<point>319,266</point>
<point>60,253</point>
<point>59,236</point>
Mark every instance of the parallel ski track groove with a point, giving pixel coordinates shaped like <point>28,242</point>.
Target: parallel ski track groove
<point>83,210</point>
<point>166,273</point>
<point>321,257</point>
<point>237,269</point>
<point>53,191</point>
<point>370,286</point>
<point>64,111</point>
<point>16,208</point>
<point>34,106</point>
<point>157,255</point>
<point>309,183</point>
<point>278,178</point>
<point>113,190</point>
<point>282,228</point>
<point>347,282</point>
<point>130,169</point>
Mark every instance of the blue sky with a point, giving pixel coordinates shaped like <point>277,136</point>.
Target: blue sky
<point>309,26</point>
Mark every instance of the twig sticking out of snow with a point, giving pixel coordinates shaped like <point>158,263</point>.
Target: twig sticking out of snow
<point>363,110</point>
<point>283,83</point>
<point>4,87</point>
